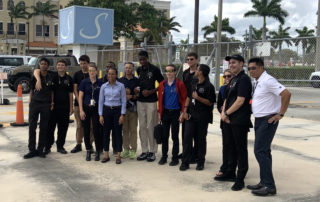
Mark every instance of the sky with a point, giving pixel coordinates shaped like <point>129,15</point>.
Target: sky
<point>301,13</point>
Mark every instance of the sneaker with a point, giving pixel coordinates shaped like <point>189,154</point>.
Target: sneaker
<point>238,185</point>
<point>31,154</point>
<point>132,154</point>
<point>125,153</point>
<point>151,157</point>
<point>142,156</point>
<point>163,160</point>
<point>76,149</point>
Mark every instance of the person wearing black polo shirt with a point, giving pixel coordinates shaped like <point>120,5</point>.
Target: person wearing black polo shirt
<point>41,102</point>
<point>89,90</point>
<point>84,60</point>
<point>130,121</point>
<point>147,106</point>
<point>199,115</point>
<point>236,112</point>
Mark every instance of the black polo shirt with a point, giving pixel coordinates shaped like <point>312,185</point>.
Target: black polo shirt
<point>198,110</point>
<point>131,84</point>
<point>189,80</point>
<point>47,84</point>
<point>77,78</point>
<point>240,86</point>
<point>90,90</point>
<point>147,78</point>
<point>62,87</point>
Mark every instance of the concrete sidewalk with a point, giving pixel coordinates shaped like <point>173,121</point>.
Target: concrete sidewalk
<point>296,165</point>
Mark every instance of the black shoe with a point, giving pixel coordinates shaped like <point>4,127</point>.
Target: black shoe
<point>31,154</point>
<point>62,150</point>
<point>238,185</point>
<point>76,149</point>
<point>200,166</point>
<point>193,161</point>
<point>105,160</point>
<point>180,156</point>
<point>255,187</point>
<point>41,154</point>
<point>97,158</point>
<point>163,160</point>
<point>151,157</point>
<point>88,157</point>
<point>225,177</point>
<point>174,163</point>
<point>184,167</point>
<point>92,151</point>
<point>47,151</point>
<point>264,191</point>
<point>143,156</point>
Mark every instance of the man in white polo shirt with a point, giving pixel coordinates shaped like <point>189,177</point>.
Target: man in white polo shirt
<point>270,101</point>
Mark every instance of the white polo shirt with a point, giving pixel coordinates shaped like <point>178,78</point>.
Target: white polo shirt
<point>266,99</point>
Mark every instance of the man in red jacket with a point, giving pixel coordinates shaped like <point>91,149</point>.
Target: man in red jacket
<point>172,96</point>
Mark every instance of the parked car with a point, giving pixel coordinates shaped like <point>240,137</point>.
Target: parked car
<point>315,79</point>
<point>11,61</point>
<point>22,74</point>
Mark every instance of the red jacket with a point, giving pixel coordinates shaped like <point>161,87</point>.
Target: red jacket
<point>182,94</point>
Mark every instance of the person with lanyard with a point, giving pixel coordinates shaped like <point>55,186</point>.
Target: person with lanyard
<point>172,97</point>
<point>130,121</point>
<point>270,101</point>
<point>88,103</point>
<point>147,106</point>
<point>112,109</point>
<point>80,75</point>
<point>227,76</point>
<point>236,112</point>
<point>197,115</point>
<point>41,103</point>
<point>189,80</point>
<point>63,106</point>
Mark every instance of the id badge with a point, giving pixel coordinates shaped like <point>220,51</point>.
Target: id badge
<point>193,101</point>
<point>92,102</point>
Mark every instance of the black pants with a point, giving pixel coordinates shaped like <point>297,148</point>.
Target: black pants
<point>111,121</point>
<point>236,137</point>
<point>36,109</point>
<point>92,114</point>
<point>59,116</point>
<point>264,133</point>
<point>198,129</point>
<point>225,152</point>
<point>195,142</point>
<point>170,118</point>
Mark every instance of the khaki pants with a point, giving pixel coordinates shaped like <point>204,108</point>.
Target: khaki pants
<point>79,130</point>
<point>129,130</point>
<point>148,118</point>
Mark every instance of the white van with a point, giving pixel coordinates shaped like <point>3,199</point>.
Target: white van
<point>11,61</point>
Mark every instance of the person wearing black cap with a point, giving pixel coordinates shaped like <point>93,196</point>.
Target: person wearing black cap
<point>236,112</point>
<point>197,115</point>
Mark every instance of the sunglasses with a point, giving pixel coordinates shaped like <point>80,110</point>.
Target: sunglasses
<point>170,71</point>
<point>252,68</point>
<point>190,59</point>
<point>226,76</point>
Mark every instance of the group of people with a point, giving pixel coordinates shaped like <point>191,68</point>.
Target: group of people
<point>112,106</point>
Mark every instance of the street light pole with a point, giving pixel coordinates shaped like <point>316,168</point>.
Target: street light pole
<point>28,38</point>
<point>196,25</point>
<point>218,46</point>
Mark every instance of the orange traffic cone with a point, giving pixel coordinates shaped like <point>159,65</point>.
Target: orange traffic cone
<point>19,112</point>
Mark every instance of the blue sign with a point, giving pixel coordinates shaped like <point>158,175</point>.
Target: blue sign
<point>86,25</point>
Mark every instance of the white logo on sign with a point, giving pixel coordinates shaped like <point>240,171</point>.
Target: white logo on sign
<point>97,26</point>
<point>68,26</point>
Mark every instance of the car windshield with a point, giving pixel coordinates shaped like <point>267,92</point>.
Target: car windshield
<point>32,61</point>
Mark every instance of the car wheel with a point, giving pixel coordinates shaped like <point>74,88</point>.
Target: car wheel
<point>25,84</point>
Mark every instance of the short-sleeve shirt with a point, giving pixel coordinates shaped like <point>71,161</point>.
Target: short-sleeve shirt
<point>239,86</point>
<point>147,77</point>
<point>198,110</point>
<point>77,78</point>
<point>62,87</point>
<point>266,98</point>
<point>189,80</point>
<point>90,90</point>
<point>44,95</point>
<point>131,84</point>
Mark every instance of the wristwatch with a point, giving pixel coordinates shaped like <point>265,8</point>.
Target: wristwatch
<point>281,114</point>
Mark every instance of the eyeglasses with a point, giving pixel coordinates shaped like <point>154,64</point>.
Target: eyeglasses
<point>227,76</point>
<point>108,66</point>
<point>252,68</point>
<point>92,70</point>
<point>170,71</point>
<point>190,59</point>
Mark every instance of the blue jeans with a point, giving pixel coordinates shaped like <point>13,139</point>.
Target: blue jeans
<point>264,133</point>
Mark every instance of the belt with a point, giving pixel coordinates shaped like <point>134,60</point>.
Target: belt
<point>263,117</point>
<point>112,107</point>
<point>171,110</point>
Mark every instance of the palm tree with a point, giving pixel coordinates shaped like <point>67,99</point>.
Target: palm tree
<point>45,9</point>
<point>267,8</point>
<point>304,32</point>
<point>212,28</point>
<point>16,12</point>
<point>280,34</point>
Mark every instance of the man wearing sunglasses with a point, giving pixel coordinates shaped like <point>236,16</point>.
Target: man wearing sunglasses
<point>236,112</point>
<point>269,103</point>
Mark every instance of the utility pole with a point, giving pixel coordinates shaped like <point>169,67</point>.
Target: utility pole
<point>318,40</point>
<point>196,25</point>
<point>218,46</point>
